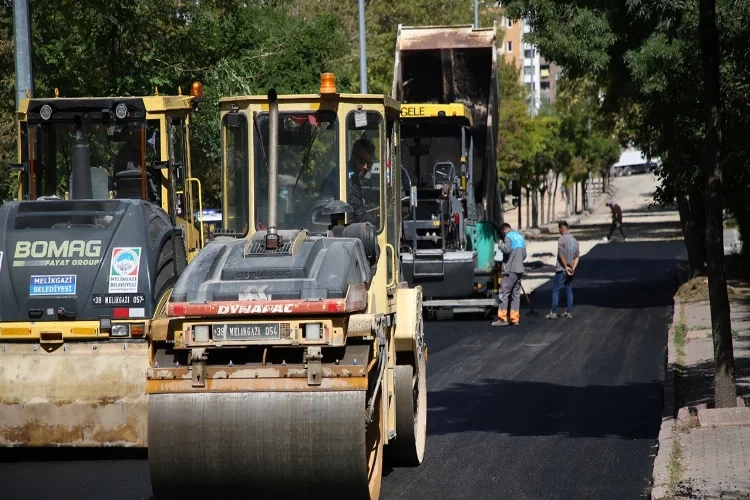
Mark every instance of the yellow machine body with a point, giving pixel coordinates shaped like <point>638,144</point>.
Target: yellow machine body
<point>80,382</point>
<point>264,392</point>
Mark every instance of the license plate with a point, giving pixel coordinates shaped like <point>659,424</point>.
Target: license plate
<point>255,331</point>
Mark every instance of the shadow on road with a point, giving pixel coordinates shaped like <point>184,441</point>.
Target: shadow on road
<point>8,455</point>
<point>665,230</point>
<point>521,408</point>
<point>623,276</point>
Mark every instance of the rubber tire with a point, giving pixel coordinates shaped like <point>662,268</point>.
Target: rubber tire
<point>165,274</point>
<point>411,425</point>
<point>627,171</point>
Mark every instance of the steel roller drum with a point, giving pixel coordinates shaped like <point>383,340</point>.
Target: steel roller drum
<point>260,444</point>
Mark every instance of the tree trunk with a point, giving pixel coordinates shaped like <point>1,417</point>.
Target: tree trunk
<point>520,207</point>
<point>542,213</point>
<point>575,197</point>
<point>528,213</point>
<point>725,390</point>
<point>584,194</point>
<point>693,240</point>
<point>554,195</point>
<point>535,207</point>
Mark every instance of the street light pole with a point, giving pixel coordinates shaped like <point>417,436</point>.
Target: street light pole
<point>362,50</point>
<point>22,39</point>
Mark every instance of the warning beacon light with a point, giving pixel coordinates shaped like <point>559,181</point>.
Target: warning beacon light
<point>327,83</point>
<point>196,90</point>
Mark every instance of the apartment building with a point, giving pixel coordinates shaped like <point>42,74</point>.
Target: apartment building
<point>537,73</point>
<point>512,42</point>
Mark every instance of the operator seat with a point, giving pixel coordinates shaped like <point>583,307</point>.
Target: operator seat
<point>128,185</point>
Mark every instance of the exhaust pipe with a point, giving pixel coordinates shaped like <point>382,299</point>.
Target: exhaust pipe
<point>80,175</point>
<point>272,237</point>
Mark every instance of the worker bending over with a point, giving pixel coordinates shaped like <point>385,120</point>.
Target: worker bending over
<point>513,248</point>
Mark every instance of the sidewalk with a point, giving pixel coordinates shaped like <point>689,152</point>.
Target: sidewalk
<point>704,453</point>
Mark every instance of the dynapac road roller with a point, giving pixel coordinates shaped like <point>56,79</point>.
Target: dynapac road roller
<point>294,351</point>
<point>88,256</point>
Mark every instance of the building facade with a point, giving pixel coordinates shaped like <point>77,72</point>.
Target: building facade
<point>537,74</point>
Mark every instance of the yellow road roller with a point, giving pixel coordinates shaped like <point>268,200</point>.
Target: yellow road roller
<point>89,253</point>
<point>294,350</point>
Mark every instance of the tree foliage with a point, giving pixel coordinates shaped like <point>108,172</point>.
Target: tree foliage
<point>675,84</point>
<point>132,47</point>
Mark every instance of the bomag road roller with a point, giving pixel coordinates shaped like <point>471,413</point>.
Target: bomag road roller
<point>294,351</point>
<point>88,256</point>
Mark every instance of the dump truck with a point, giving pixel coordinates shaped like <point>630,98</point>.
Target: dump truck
<point>282,370</point>
<point>446,80</point>
<point>89,253</point>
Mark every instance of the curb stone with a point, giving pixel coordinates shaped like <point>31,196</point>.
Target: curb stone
<point>660,476</point>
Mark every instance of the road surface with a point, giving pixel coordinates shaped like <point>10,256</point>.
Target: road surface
<point>566,409</point>
<point>550,409</point>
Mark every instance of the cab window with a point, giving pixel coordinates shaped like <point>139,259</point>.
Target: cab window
<point>308,166</point>
<point>364,152</point>
<point>236,177</point>
<point>116,155</point>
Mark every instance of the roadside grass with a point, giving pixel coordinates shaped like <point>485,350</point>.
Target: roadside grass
<point>680,332</point>
<point>675,466</point>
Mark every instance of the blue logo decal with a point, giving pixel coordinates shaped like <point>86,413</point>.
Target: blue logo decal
<point>59,284</point>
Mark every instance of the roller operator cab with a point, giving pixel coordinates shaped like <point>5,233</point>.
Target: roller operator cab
<point>283,371</point>
<point>89,254</point>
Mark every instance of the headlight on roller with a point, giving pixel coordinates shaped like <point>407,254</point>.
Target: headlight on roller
<point>312,331</point>
<point>200,333</point>
<point>119,330</point>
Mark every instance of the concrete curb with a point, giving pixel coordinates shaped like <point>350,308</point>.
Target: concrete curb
<point>660,476</point>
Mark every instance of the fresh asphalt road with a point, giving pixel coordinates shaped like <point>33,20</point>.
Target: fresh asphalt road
<point>551,409</point>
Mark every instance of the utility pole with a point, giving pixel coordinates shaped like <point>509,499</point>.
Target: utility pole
<point>476,14</point>
<point>362,50</point>
<point>22,39</point>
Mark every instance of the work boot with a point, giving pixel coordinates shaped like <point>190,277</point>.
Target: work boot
<point>567,315</point>
<point>552,315</point>
<point>500,322</point>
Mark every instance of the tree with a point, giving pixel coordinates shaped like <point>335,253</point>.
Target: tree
<point>725,393</point>
<point>642,53</point>
<point>130,47</point>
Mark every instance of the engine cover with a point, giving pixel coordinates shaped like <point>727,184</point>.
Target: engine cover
<point>303,267</point>
<point>82,259</point>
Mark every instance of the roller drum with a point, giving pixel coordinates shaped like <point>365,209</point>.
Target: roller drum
<point>261,444</point>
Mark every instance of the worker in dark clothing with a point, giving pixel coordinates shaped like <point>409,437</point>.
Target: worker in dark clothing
<point>360,162</point>
<point>616,221</point>
<point>512,246</point>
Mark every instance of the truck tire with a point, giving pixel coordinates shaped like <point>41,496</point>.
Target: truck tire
<point>166,276</point>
